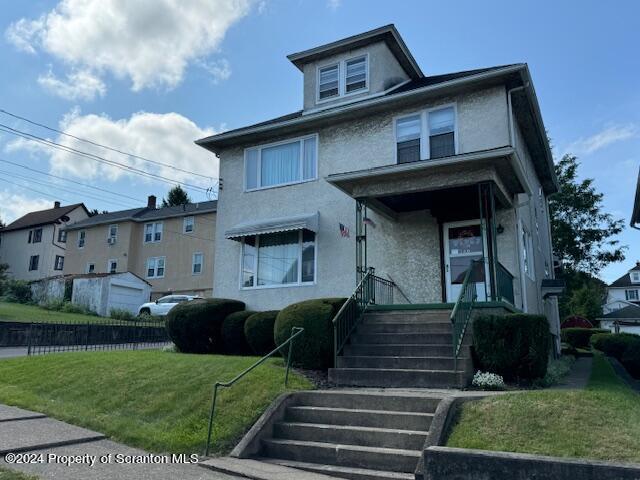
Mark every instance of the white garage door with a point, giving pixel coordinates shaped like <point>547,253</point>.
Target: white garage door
<point>125,297</point>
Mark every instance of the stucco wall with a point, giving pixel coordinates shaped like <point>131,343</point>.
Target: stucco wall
<point>408,250</point>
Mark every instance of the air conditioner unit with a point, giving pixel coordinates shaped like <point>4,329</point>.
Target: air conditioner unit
<point>111,240</point>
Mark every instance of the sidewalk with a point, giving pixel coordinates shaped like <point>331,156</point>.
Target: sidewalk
<point>52,444</point>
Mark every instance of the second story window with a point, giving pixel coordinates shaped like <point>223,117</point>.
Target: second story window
<point>188,224</point>
<point>112,234</point>
<point>35,235</point>
<point>408,138</point>
<point>196,266</point>
<point>356,75</point>
<point>59,263</point>
<point>441,133</point>
<point>631,295</point>
<point>153,232</point>
<point>281,164</point>
<point>81,238</point>
<point>155,267</point>
<point>33,262</point>
<point>328,82</point>
<point>428,134</point>
<point>62,236</point>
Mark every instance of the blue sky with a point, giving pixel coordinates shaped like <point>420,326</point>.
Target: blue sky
<point>149,77</point>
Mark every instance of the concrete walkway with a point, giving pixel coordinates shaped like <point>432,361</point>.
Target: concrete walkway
<point>62,451</point>
<point>579,375</point>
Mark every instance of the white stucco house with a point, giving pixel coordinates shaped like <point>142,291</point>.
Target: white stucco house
<point>34,246</point>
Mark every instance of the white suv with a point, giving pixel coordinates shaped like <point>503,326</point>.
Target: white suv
<point>162,306</point>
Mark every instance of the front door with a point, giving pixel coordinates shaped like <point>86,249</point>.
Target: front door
<point>464,243</point>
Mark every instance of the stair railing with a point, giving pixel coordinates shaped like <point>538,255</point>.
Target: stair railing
<point>504,284</point>
<point>295,332</point>
<point>370,290</point>
<point>461,313</point>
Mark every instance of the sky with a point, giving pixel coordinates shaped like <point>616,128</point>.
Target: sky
<point>149,77</point>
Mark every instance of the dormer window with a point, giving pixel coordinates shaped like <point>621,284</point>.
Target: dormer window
<point>635,277</point>
<point>345,78</point>
<point>329,82</point>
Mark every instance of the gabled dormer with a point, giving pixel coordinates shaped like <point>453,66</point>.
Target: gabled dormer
<point>362,66</point>
<point>634,274</point>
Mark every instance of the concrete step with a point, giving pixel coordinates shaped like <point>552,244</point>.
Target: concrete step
<point>358,399</point>
<point>408,363</point>
<point>396,378</point>
<point>398,327</point>
<point>398,420</point>
<point>395,460</point>
<point>409,316</point>
<point>400,350</point>
<point>351,435</point>
<point>341,472</point>
<point>402,338</point>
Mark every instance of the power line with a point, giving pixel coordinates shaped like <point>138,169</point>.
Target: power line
<point>91,142</point>
<point>34,190</point>
<point>92,156</point>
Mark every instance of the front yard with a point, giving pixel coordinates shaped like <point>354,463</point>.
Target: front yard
<point>18,312</point>
<point>158,401</point>
<point>599,422</point>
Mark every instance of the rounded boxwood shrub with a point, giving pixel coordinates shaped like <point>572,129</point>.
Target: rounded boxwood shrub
<point>613,344</point>
<point>579,337</point>
<point>233,339</point>
<point>515,346</point>
<point>314,348</point>
<point>195,326</point>
<point>258,331</point>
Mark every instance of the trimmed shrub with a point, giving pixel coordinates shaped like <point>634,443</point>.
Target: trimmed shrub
<point>258,331</point>
<point>613,344</point>
<point>195,326</point>
<point>515,346</point>
<point>233,339</point>
<point>576,321</point>
<point>314,348</point>
<point>579,337</point>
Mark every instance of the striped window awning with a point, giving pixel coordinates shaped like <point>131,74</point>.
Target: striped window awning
<point>274,225</point>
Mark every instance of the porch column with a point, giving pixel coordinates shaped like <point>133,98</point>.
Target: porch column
<point>486,194</point>
<point>361,240</point>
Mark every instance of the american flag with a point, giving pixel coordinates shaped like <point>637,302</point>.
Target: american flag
<point>344,231</point>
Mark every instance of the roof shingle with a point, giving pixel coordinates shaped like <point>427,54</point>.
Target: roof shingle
<point>41,217</point>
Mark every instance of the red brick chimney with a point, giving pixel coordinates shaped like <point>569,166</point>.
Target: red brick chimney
<point>151,201</point>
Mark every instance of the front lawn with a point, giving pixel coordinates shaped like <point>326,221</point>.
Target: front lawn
<point>18,312</point>
<point>6,474</point>
<point>601,422</point>
<point>158,401</point>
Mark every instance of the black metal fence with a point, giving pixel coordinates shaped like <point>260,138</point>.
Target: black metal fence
<point>104,334</point>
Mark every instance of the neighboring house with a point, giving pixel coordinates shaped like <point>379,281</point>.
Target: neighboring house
<point>635,215</point>
<point>626,319</point>
<point>386,167</point>
<point>35,245</point>
<point>170,247</point>
<point>625,290</point>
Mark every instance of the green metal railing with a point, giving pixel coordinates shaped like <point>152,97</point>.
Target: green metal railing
<point>295,332</point>
<point>370,290</point>
<point>504,284</point>
<point>461,313</point>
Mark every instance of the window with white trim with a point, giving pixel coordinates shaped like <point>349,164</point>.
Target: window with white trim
<point>112,266</point>
<point>153,232</point>
<point>91,267</point>
<point>429,134</point>
<point>631,295</point>
<point>281,164</point>
<point>635,277</point>
<point>113,232</point>
<point>356,73</point>
<point>187,224</point>
<point>58,263</point>
<point>33,262</point>
<point>62,236</point>
<point>81,238</point>
<point>35,235</point>
<point>328,82</point>
<point>196,263</point>
<point>155,267</point>
<point>408,132</point>
<point>441,132</point>
<point>527,254</point>
<point>278,259</point>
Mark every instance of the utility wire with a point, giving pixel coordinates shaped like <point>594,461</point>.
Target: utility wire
<point>34,190</point>
<point>102,145</point>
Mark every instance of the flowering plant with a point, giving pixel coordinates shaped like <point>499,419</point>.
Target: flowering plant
<point>488,381</point>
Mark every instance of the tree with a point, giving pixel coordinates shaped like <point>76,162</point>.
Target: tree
<point>176,196</point>
<point>583,234</point>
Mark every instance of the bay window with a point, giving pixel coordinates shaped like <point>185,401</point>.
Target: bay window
<point>277,259</point>
<point>281,164</point>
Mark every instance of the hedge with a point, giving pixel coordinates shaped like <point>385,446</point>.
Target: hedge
<point>623,346</point>
<point>195,326</point>
<point>314,348</point>
<point>233,339</point>
<point>579,337</point>
<point>515,346</point>
<point>258,330</point>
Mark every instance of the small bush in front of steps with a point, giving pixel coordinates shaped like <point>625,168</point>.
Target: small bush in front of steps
<point>515,346</point>
<point>258,330</point>
<point>233,339</point>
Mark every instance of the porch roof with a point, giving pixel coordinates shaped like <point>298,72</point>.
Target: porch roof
<point>384,188</point>
<point>274,225</point>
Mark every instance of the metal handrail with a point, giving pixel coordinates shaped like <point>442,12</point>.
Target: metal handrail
<point>504,284</point>
<point>295,331</point>
<point>461,313</point>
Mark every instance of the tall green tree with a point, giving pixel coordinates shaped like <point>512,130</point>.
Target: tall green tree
<point>584,236</point>
<point>176,196</point>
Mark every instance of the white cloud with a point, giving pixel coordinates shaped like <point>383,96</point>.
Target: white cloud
<point>79,85</point>
<point>15,205</point>
<point>166,138</point>
<point>220,70</point>
<point>334,4</point>
<point>151,42</point>
<point>602,139</point>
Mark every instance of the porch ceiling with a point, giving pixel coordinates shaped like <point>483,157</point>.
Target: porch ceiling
<point>422,185</point>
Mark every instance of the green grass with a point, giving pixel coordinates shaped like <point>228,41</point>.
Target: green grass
<point>6,474</point>
<point>18,312</point>
<point>601,422</point>
<point>154,400</point>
